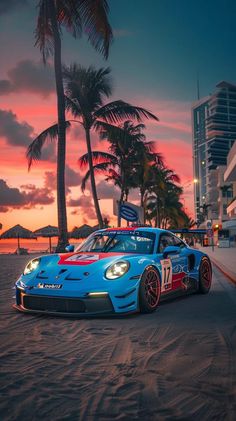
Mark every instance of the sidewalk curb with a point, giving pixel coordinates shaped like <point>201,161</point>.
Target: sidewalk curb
<point>230,275</point>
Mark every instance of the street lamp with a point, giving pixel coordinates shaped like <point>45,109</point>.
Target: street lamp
<point>190,182</point>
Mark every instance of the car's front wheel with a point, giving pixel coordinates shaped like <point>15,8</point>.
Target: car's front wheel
<point>149,290</point>
<point>205,275</point>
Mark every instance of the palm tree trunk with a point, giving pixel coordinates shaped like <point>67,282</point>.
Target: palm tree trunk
<point>122,196</point>
<point>159,214</point>
<point>156,220</point>
<point>142,202</point>
<point>141,195</point>
<point>92,179</point>
<point>61,144</point>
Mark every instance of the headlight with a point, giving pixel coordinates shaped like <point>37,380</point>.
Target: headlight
<point>31,266</point>
<point>117,270</point>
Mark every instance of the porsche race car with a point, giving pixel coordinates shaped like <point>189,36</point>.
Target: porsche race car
<point>114,271</point>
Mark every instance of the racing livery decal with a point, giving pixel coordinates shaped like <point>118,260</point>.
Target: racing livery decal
<point>114,271</point>
<point>84,258</point>
<point>166,269</point>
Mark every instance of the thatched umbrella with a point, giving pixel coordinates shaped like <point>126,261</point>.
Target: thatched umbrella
<point>49,231</point>
<point>18,232</point>
<point>82,232</point>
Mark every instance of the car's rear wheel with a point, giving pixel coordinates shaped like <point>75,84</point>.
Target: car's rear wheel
<point>149,290</point>
<point>205,275</point>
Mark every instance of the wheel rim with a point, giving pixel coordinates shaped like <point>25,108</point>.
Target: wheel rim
<point>152,288</point>
<point>206,274</point>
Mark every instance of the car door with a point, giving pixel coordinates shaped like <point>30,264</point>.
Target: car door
<point>174,267</point>
<point>179,263</point>
<point>166,264</point>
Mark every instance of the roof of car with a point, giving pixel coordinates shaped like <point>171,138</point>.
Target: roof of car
<point>135,228</point>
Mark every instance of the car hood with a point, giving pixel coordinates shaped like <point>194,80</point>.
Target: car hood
<point>84,259</point>
<point>74,266</point>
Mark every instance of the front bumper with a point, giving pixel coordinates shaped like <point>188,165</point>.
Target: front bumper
<point>70,306</point>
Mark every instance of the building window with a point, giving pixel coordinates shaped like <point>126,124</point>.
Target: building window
<point>198,118</point>
<point>227,193</point>
<point>224,209</point>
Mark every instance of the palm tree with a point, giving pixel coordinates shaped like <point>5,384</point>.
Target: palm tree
<point>173,213</point>
<point>86,91</point>
<point>128,150</point>
<point>162,195</point>
<point>119,164</point>
<point>77,16</point>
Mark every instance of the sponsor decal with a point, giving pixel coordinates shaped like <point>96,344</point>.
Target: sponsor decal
<point>84,258</point>
<point>50,286</point>
<point>179,268</point>
<point>123,231</point>
<point>166,270</point>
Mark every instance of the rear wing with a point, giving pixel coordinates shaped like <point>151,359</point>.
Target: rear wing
<point>189,231</point>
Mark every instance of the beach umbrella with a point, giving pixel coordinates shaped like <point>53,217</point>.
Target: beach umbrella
<point>18,232</point>
<point>49,231</point>
<point>82,232</point>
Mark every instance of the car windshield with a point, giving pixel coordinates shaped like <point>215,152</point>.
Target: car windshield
<point>119,242</point>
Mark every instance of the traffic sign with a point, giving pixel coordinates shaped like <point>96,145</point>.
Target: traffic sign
<point>128,213</point>
<point>210,233</point>
<point>209,223</point>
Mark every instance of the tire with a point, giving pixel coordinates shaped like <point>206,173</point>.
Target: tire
<point>149,290</point>
<point>205,275</point>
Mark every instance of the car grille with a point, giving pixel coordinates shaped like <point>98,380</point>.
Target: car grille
<point>64,305</point>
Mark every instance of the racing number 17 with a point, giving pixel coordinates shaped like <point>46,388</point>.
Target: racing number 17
<point>166,278</point>
<point>166,274</point>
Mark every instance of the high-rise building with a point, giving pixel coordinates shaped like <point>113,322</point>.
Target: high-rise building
<point>214,132</point>
<point>199,116</point>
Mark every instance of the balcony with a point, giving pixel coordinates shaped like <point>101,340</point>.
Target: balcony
<point>230,173</point>
<point>231,209</point>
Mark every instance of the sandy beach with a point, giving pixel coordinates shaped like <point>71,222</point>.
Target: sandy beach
<point>178,363</point>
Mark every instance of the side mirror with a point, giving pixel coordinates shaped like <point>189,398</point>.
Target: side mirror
<point>170,250</point>
<point>70,248</point>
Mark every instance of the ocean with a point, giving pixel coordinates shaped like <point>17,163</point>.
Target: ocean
<point>33,246</point>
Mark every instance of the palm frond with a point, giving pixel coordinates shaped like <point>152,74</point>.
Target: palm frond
<point>87,87</point>
<point>76,16</point>
<point>102,167</point>
<point>117,111</point>
<point>114,174</point>
<point>106,130</point>
<point>34,149</point>
<point>72,106</point>
<point>84,181</point>
<point>94,15</point>
<point>43,32</point>
<point>97,157</point>
<point>68,16</point>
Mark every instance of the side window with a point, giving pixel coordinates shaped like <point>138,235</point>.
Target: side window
<point>177,242</point>
<point>165,240</point>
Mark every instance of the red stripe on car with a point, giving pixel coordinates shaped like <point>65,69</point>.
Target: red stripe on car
<point>82,259</point>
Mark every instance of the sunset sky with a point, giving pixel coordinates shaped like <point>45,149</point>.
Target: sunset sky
<point>159,49</point>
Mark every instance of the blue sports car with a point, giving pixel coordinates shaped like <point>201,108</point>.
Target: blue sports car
<point>114,271</point>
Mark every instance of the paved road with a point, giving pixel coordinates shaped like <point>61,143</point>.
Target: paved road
<point>176,364</point>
